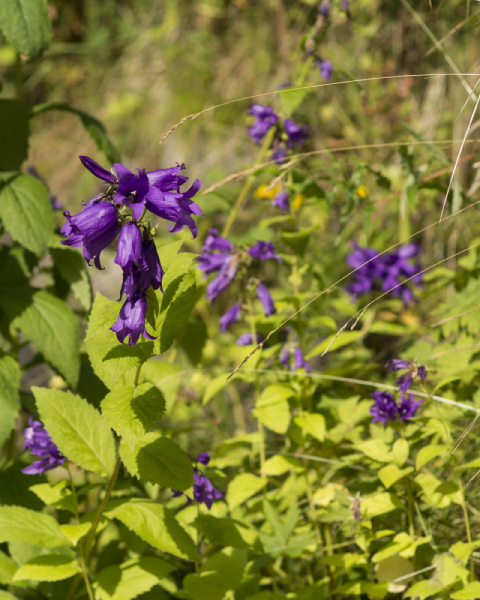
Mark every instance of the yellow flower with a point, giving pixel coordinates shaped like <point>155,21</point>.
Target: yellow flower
<point>298,201</point>
<point>263,191</point>
<point>362,192</point>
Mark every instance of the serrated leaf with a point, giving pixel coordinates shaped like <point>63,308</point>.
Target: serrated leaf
<point>227,532</point>
<point>400,451</point>
<point>26,212</point>
<point>75,532</point>
<point>130,579</point>
<point>93,126</point>
<point>272,407</point>
<point>13,134</point>
<point>376,450</point>
<point>24,525</point>
<point>78,430</point>
<point>161,461</point>
<point>9,398</point>
<point>243,487</point>
<point>379,504</point>
<point>26,25</point>
<point>157,526</point>
<point>53,567</point>
<point>166,377</point>
<point>167,252</point>
<point>429,452</point>
<point>59,495</point>
<point>311,423</point>
<point>73,269</point>
<point>110,359</point>
<point>7,569</point>
<point>390,474</point>
<point>133,410</point>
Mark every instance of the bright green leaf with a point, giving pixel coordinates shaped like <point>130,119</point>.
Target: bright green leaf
<point>470,592</point>
<point>272,407</point>
<point>278,465</point>
<point>24,525</point>
<point>52,567</point>
<point>73,269</point>
<point>311,423</point>
<point>243,487</point>
<point>75,532</point>
<point>390,474</point>
<point>58,495</point>
<point>78,430</point>
<point>7,569</point>
<point>400,451</point>
<point>427,453</point>
<point>376,450</point>
<point>379,504</point>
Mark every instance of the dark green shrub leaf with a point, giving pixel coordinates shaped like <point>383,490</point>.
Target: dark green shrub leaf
<point>73,269</point>
<point>13,133</point>
<point>26,25</point>
<point>9,405</point>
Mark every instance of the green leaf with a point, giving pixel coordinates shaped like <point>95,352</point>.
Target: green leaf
<point>178,301</point>
<point>344,339</point>
<point>93,126</point>
<point>130,579</point>
<point>53,567</point>
<point>157,526</point>
<point>219,576</point>
<point>9,398</point>
<point>400,451</point>
<point>424,589</point>
<point>24,525</point>
<point>75,532</point>
<point>6,596</point>
<point>26,25</point>
<point>78,430</point>
<point>272,407</point>
<point>226,532</point>
<point>161,461</point>
<point>390,474</point>
<point>58,495</point>
<point>110,359</point>
<point>278,465</point>
<point>379,504</point>
<point>52,327</point>
<point>26,212</point>
<point>217,384</point>
<point>73,269</point>
<point>298,240</point>
<point>427,453</point>
<point>13,134</point>
<point>470,592</point>
<point>168,252</point>
<point>7,569</point>
<point>132,411</point>
<point>243,487</point>
<point>376,450</point>
<point>14,487</point>
<point>166,377</point>
<point>290,99</point>
<point>311,423</point>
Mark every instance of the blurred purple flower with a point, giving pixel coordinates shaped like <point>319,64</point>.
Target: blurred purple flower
<point>324,8</point>
<point>265,118</point>
<point>281,201</point>
<point>279,153</point>
<point>230,317</point>
<point>295,133</point>
<point>300,362</point>
<point>131,320</point>
<point>405,381</point>
<point>326,68</point>
<point>204,458</point>
<point>266,300</point>
<point>203,490</point>
<point>284,357</point>
<point>385,408</point>
<point>407,408</point>
<point>39,442</point>
<point>217,255</point>
<point>396,364</point>
<point>264,251</point>
<point>246,339</point>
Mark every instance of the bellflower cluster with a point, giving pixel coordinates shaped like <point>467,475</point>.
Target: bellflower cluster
<point>39,442</point>
<point>246,339</point>
<point>385,408</point>
<point>219,256</point>
<point>405,380</point>
<point>385,272</point>
<point>326,69</point>
<point>281,201</point>
<point>299,361</point>
<point>203,490</point>
<point>121,211</point>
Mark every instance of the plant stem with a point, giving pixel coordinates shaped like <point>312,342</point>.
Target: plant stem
<point>18,77</point>
<point>248,184</point>
<point>467,521</point>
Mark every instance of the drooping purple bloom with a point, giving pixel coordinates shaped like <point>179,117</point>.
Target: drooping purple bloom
<point>131,320</point>
<point>281,201</point>
<point>396,364</point>
<point>204,458</point>
<point>384,408</point>
<point>39,442</point>
<point>407,408</point>
<point>152,265</point>
<point>300,362</point>
<point>295,133</point>
<point>230,317</point>
<point>422,372</point>
<point>203,490</point>
<point>284,357</point>
<point>265,118</point>
<point>94,228</point>
<point>97,170</point>
<point>218,255</point>
<point>224,278</point>
<point>246,339</point>
<point>405,381</point>
<point>266,300</point>
<point>214,241</point>
<point>326,69</point>
<point>279,153</point>
<point>129,249</point>
<point>264,251</point>
<point>136,280</point>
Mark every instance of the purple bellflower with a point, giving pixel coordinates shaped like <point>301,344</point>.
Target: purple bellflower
<point>39,442</point>
<point>264,251</point>
<point>131,320</point>
<point>281,201</point>
<point>230,317</point>
<point>266,300</point>
<point>246,339</point>
<point>295,133</point>
<point>407,407</point>
<point>203,490</point>
<point>218,256</point>
<point>324,8</point>
<point>300,362</point>
<point>265,118</point>
<point>129,249</point>
<point>385,408</point>
<point>279,153</point>
<point>405,380</point>
<point>326,69</point>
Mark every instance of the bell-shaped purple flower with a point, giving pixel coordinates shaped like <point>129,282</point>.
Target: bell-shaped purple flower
<point>265,118</point>
<point>407,408</point>
<point>132,189</point>
<point>281,201</point>
<point>217,255</point>
<point>97,170</point>
<point>264,251</point>
<point>422,372</point>
<point>230,317</point>
<point>151,264</point>
<point>324,8</point>
<point>129,249</point>
<point>223,279</point>
<point>295,133</point>
<point>396,364</point>
<point>284,357</point>
<point>326,69</point>
<point>266,300</point>
<point>299,361</point>
<point>95,227</point>
<point>384,408</point>
<point>204,458</point>
<point>203,490</point>
<point>39,442</point>
<point>131,321</point>
<point>246,339</point>
<point>214,241</point>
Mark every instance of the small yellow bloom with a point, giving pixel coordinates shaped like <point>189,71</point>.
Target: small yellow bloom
<point>264,191</point>
<point>57,383</point>
<point>362,192</point>
<point>298,201</point>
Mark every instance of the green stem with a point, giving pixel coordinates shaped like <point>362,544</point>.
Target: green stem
<point>467,521</point>
<point>248,184</point>
<point>18,77</point>
<point>411,528</point>
<point>303,75</point>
